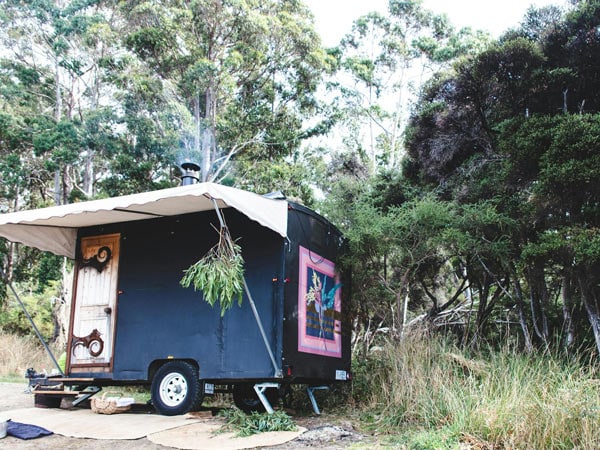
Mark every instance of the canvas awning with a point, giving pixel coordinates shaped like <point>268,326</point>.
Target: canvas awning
<point>54,229</point>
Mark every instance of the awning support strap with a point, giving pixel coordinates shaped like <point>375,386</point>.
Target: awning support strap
<point>277,371</point>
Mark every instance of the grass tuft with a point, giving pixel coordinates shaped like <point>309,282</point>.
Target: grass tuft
<point>499,398</point>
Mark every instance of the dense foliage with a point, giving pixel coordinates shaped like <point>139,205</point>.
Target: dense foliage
<point>242,424</point>
<point>479,215</point>
<point>490,229</point>
<point>101,98</point>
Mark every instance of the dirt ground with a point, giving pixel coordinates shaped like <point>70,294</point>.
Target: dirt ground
<point>324,432</point>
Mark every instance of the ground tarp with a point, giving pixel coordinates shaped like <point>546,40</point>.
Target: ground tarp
<point>203,436</point>
<point>83,423</point>
<point>177,431</point>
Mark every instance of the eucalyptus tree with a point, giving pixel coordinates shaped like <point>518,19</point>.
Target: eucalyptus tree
<point>23,178</point>
<point>245,73</point>
<point>65,43</point>
<point>382,62</point>
<point>399,237</point>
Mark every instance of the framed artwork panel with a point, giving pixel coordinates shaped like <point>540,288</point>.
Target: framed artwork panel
<point>319,306</point>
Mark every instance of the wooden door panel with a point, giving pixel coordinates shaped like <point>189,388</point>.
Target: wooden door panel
<point>93,319</point>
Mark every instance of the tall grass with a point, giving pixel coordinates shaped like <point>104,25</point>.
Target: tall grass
<point>500,399</point>
<point>18,353</point>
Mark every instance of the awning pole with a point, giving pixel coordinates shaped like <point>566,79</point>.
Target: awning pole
<point>35,328</point>
<point>262,330</point>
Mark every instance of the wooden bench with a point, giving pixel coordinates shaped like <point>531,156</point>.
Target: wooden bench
<point>62,393</point>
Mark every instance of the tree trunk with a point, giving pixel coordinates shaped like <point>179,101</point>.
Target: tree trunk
<point>402,306</point>
<point>207,132</point>
<point>567,308</point>
<point>591,306</point>
<point>10,260</point>
<point>538,294</point>
<point>57,92</point>
<point>469,298</point>
<point>88,174</point>
<point>206,153</point>
<point>61,310</point>
<point>484,290</point>
<point>198,134</point>
<point>404,314</point>
<point>522,318</point>
<point>57,188</point>
<point>57,117</point>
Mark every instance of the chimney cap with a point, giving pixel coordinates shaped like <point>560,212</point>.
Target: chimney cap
<point>190,166</point>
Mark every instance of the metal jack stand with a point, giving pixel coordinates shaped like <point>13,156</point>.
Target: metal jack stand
<point>260,389</point>
<point>310,391</point>
<point>86,393</point>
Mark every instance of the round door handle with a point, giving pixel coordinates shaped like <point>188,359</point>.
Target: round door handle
<point>108,310</point>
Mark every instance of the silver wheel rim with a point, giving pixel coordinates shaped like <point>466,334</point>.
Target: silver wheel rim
<point>173,389</point>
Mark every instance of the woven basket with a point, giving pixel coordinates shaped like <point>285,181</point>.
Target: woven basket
<point>105,405</point>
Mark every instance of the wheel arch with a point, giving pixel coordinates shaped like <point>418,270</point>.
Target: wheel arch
<point>158,363</point>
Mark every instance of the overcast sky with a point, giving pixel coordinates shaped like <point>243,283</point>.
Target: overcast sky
<point>334,17</point>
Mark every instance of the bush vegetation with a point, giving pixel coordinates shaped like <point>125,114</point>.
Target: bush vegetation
<point>434,395</point>
<point>18,353</point>
<point>488,229</point>
<point>38,300</point>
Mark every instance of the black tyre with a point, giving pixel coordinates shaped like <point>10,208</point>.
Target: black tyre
<point>176,389</point>
<point>245,397</point>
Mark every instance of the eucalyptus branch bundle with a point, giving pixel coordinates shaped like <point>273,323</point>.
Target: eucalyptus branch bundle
<point>244,425</point>
<point>219,274</point>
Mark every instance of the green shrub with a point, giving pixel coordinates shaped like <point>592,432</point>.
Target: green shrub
<point>39,306</point>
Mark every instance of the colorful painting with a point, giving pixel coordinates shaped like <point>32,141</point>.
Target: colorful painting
<point>319,306</point>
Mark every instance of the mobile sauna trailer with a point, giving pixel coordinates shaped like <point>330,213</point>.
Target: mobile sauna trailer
<point>132,323</point>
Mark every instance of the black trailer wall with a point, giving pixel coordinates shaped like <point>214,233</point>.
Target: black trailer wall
<point>315,245</point>
<point>158,319</point>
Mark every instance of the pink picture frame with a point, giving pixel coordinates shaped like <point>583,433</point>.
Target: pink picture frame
<point>319,306</point>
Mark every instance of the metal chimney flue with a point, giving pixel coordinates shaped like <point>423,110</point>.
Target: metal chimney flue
<point>190,173</point>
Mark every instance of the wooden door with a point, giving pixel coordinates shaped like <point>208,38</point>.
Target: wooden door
<point>93,316</point>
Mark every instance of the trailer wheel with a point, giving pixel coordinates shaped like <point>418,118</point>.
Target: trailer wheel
<point>176,389</point>
<point>245,398</point>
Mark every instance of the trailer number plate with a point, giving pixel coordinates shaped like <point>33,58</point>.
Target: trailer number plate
<point>209,388</point>
<point>341,375</point>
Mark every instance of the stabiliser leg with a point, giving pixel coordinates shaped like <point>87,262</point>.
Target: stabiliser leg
<point>260,389</point>
<point>310,391</point>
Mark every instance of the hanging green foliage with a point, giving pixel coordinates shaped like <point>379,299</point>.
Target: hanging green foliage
<point>219,274</point>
